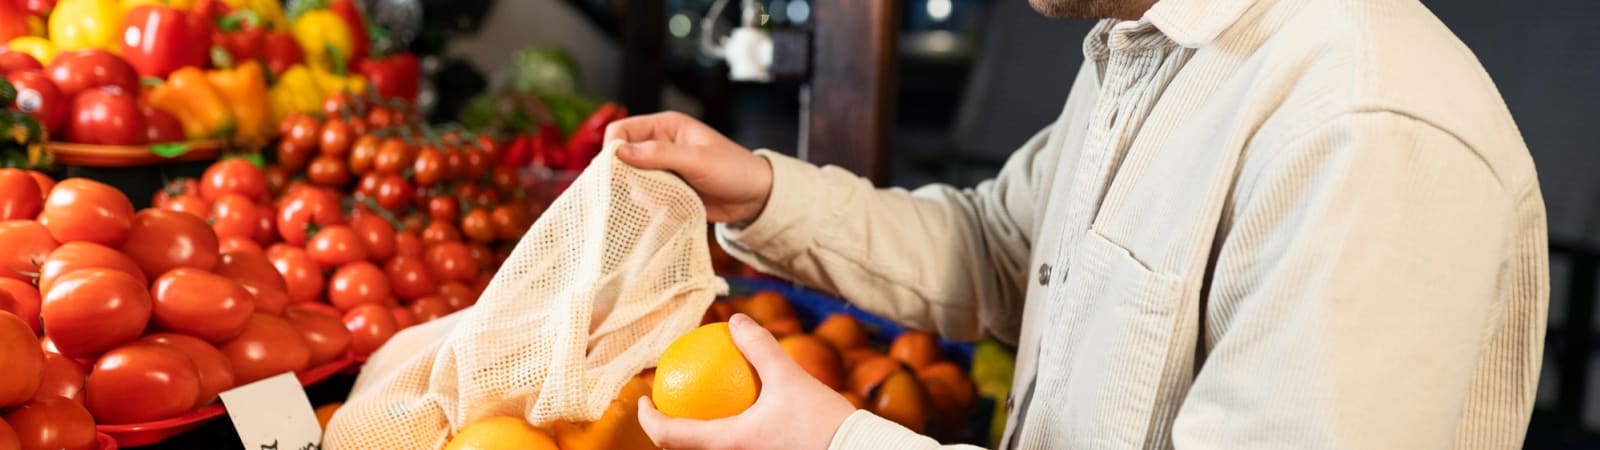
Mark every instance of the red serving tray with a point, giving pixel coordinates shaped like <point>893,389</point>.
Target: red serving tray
<point>141,434</point>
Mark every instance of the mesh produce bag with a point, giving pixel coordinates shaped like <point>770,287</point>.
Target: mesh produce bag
<point>615,270</point>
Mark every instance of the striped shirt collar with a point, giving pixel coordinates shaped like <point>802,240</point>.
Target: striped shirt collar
<point>1196,23</point>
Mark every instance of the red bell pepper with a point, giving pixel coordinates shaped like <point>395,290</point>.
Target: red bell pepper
<point>280,51</point>
<point>160,39</point>
<point>240,34</point>
<point>39,8</point>
<point>13,20</point>
<point>360,43</point>
<point>395,76</point>
<point>587,140</point>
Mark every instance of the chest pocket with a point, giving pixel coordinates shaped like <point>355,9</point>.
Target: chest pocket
<point>1109,355</point>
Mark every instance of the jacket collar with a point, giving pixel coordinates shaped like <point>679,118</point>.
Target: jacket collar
<point>1196,23</point>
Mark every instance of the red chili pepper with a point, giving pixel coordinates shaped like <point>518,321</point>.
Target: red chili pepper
<point>240,34</point>
<point>394,76</point>
<point>545,148</point>
<point>359,41</point>
<point>280,51</point>
<point>519,152</point>
<point>590,136</point>
<point>160,39</point>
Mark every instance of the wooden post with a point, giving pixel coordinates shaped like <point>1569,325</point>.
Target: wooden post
<point>644,31</point>
<point>850,111</point>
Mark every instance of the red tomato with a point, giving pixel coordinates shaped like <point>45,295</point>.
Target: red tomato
<point>393,192</point>
<point>370,326</point>
<point>201,304</point>
<point>305,207</point>
<point>81,70</point>
<point>505,180</point>
<point>430,307</point>
<point>268,346</point>
<point>363,154</point>
<point>39,97</point>
<point>510,222</point>
<point>482,284</point>
<point>328,171</point>
<point>255,267</point>
<point>439,232</point>
<point>334,141</point>
<point>455,165</point>
<point>377,235</point>
<point>62,377</point>
<point>190,204</point>
<point>234,215</point>
<point>357,283</point>
<point>164,240</point>
<point>336,246</point>
<point>300,273</point>
<point>23,243</point>
<point>451,261</point>
<point>393,156</point>
<point>456,295</point>
<point>53,423</point>
<point>408,277</point>
<point>477,226</point>
<point>443,208</point>
<point>428,169</point>
<point>407,244</point>
<point>24,361</point>
<point>141,382</point>
<point>19,195</point>
<point>277,179</point>
<point>17,297</point>
<point>380,118</point>
<point>475,161</point>
<point>323,332</point>
<point>414,222</point>
<point>403,318</point>
<point>268,299</point>
<point>79,209</point>
<point>83,255</point>
<point>238,245</point>
<point>106,116</point>
<point>235,175</point>
<point>14,61</point>
<point>266,225</point>
<point>481,254</point>
<point>89,311</point>
<point>46,184</point>
<point>216,374</point>
<point>160,126</point>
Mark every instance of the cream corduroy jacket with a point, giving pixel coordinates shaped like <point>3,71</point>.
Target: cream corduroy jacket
<point>1257,224</point>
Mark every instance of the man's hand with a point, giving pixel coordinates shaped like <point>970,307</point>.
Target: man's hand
<point>794,410</point>
<point>732,182</point>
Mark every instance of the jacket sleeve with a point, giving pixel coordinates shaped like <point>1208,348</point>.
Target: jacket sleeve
<point>938,258</point>
<point>865,431</point>
<point>1363,273</point>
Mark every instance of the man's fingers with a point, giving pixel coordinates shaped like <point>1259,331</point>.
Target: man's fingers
<point>758,345</point>
<point>669,432</point>
<point>659,126</point>
<point>661,155</point>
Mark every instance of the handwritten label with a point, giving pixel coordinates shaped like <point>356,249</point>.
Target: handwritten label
<point>274,414</point>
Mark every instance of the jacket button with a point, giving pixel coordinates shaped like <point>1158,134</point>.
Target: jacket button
<point>1044,274</point>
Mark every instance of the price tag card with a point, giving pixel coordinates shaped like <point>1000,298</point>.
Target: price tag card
<point>274,414</point>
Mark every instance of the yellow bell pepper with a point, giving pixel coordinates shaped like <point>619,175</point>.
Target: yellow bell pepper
<point>37,47</point>
<point>81,24</point>
<point>245,87</point>
<point>296,91</point>
<point>324,38</point>
<point>129,5</point>
<point>329,82</point>
<point>270,11</point>
<point>189,97</point>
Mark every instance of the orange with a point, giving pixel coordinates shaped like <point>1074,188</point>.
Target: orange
<point>766,307</point>
<point>901,400</point>
<point>787,326</point>
<point>325,413</point>
<point>916,348</point>
<point>617,428</point>
<point>854,357</point>
<point>843,331</point>
<point>816,357</point>
<point>950,389</point>
<point>855,400</point>
<point>501,433</point>
<point>702,375</point>
<point>872,371</point>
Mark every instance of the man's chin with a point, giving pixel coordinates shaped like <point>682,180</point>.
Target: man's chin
<point>1074,9</point>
